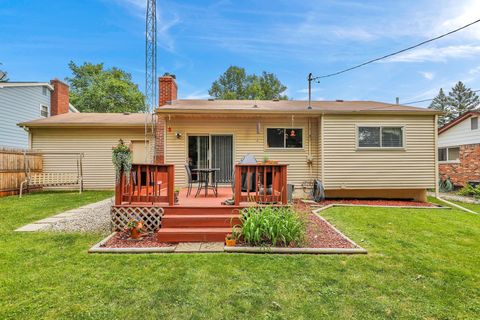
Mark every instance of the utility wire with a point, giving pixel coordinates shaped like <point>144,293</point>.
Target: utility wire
<point>395,53</point>
<point>425,100</point>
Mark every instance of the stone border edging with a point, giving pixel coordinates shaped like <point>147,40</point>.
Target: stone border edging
<point>376,206</point>
<point>99,249</point>
<point>296,250</point>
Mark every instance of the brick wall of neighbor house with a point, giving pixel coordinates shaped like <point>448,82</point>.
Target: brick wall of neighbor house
<point>167,89</point>
<point>468,168</point>
<point>59,99</point>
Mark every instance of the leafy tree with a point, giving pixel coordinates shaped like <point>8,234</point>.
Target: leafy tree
<point>95,89</point>
<point>3,75</point>
<point>441,103</point>
<point>462,99</point>
<point>235,84</point>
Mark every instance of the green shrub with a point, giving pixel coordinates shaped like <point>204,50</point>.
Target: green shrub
<point>468,190</point>
<point>263,226</point>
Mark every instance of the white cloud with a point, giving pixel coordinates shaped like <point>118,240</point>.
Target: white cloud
<point>427,75</point>
<point>436,54</point>
<point>463,13</point>
<point>199,94</point>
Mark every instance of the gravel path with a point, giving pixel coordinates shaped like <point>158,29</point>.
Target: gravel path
<point>455,197</point>
<point>94,217</point>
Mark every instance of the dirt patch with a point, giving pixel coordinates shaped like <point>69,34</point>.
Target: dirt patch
<point>320,234</point>
<point>121,240</point>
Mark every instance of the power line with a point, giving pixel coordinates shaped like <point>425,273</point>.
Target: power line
<point>425,100</point>
<point>395,53</point>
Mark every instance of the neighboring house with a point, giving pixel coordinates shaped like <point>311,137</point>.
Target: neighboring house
<point>22,101</point>
<point>356,148</point>
<point>459,149</point>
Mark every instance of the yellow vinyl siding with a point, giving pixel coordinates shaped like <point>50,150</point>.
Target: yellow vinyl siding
<point>245,140</point>
<point>348,167</point>
<point>96,144</point>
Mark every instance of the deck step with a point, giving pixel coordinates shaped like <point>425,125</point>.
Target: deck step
<point>201,210</point>
<point>202,220</point>
<point>192,234</point>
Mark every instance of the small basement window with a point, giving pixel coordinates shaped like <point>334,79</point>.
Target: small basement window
<point>451,154</point>
<point>380,137</point>
<point>474,123</point>
<point>44,111</point>
<point>284,138</point>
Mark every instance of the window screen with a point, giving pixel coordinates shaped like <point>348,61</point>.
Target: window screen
<point>276,138</point>
<point>369,137</point>
<point>442,154</point>
<point>453,154</point>
<point>392,137</point>
<point>44,111</point>
<point>474,123</point>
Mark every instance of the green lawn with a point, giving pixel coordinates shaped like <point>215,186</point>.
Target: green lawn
<point>422,264</point>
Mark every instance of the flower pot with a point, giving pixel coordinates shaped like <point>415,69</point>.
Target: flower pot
<point>135,233</point>
<point>230,242</point>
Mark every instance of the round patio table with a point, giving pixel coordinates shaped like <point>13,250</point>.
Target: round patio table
<point>204,181</point>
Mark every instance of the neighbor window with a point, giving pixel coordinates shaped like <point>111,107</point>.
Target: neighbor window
<point>449,154</point>
<point>44,91</point>
<point>44,111</point>
<point>284,138</point>
<point>474,123</point>
<point>380,137</point>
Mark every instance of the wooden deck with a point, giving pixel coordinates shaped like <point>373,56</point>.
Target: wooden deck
<point>202,218</point>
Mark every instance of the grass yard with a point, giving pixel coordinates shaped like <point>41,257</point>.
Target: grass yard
<point>422,264</point>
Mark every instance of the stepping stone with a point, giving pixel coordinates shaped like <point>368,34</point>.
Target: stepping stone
<point>188,247</point>
<point>33,227</point>
<point>212,247</point>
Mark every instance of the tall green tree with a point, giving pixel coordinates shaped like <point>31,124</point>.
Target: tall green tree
<point>236,84</point>
<point>462,99</point>
<point>96,89</point>
<point>3,75</point>
<point>441,103</point>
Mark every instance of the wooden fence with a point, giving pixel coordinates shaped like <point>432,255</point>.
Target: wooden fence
<point>14,164</point>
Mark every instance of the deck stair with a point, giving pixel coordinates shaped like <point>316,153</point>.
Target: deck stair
<point>197,224</point>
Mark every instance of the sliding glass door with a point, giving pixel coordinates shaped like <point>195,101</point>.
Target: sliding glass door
<point>212,151</point>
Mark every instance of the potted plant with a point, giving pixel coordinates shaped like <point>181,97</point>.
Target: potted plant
<point>122,160</point>
<point>230,240</point>
<point>135,229</point>
<point>177,193</point>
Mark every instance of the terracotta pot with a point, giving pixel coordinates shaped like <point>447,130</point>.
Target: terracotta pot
<point>230,242</point>
<point>135,233</point>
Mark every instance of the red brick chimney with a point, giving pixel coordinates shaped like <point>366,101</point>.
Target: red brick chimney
<point>59,100</point>
<point>167,91</point>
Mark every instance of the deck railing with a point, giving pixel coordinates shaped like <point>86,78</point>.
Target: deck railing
<point>146,184</point>
<point>261,183</point>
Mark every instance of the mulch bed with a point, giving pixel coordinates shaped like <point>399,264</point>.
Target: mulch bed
<point>321,235</point>
<point>394,203</point>
<point>121,240</point>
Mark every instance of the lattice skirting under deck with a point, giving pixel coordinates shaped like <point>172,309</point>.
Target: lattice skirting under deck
<point>151,217</point>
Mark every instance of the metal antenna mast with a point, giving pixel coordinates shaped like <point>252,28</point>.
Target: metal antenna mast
<point>150,65</point>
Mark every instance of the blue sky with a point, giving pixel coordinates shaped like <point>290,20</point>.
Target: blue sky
<point>198,40</point>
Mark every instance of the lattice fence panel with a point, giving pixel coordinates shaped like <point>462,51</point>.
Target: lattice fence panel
<point>151,217</point>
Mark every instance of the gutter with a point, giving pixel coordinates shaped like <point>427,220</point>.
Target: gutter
<point>456,205</point>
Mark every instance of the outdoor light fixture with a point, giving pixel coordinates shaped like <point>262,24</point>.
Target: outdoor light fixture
<point>178,135</point>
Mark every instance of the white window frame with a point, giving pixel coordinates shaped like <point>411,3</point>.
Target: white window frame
<point>401,126</point>
<point>471,123</point>
<point>266,147</point>
<point>41,110</point>
<point>448,160</point>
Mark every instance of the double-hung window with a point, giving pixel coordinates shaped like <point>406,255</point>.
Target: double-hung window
<point>43,111</point>
<point>284,138</point>
<point>380,137</point>
<point>474,123</point>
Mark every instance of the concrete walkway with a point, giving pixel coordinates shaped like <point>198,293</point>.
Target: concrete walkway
<point>89,218</point>
<point>454,197</point>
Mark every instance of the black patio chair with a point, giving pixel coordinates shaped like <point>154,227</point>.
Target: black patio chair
<point>190,179</point>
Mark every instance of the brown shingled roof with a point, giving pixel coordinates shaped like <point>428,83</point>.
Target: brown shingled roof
<point>282,106</point>
<point>457,120</point>
<point>90,119</point>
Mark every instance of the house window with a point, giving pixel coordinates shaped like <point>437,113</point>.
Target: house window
<point>44,91</point>
<point>44,111</point>
<point>474,123</point>
<point>380,137</point>
<point>449,154</point>
<point>284,138</point>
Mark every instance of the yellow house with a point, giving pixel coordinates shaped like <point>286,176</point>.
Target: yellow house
<point>355,148</point>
